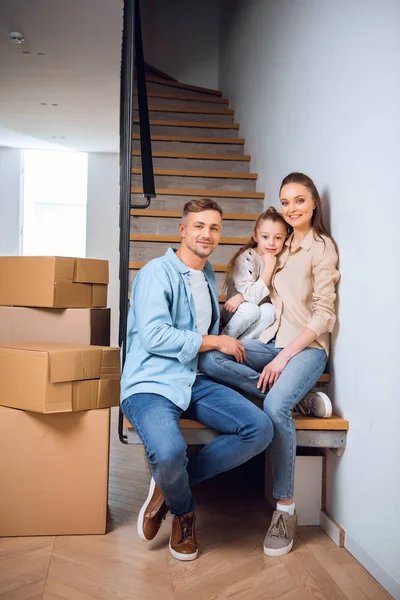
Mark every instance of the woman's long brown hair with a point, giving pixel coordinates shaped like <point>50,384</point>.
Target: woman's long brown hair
<point>271,214</point>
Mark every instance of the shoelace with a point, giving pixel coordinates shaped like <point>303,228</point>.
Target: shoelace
<point>305,407</point>
<point>186,527</point>
<point>278,527</point>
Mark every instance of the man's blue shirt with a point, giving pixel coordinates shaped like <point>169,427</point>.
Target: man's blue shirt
<point>162,339</point>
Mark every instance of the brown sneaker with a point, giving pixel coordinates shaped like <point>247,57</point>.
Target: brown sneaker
<point>151,514</point>
<point>280,535</point>
<point>182,543</point>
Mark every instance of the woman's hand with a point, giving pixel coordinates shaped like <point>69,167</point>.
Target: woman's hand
<point>271,372</point>
<point>233,303</point>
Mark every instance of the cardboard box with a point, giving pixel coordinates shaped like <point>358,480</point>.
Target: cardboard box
<point>69,325</point>
<point>53,282</point>
<point>53,472</point>
<point>54,378</point>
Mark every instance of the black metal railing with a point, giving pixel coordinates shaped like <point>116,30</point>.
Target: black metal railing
<point>132,56</point>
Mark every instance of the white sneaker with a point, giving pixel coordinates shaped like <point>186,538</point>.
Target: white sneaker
<point>316,404</point>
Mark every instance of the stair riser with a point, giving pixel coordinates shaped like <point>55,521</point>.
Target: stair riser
<point>199,183</point>
<point>220,277</point>
<point>233,205</point>
<point>144,251</point>
<point>198,147</point>
<point>183,116</point>
<point>190,131</point>
<point>184,103</point>
<point>170,226</point>
<point>159,87</point>
<point>192,164</point>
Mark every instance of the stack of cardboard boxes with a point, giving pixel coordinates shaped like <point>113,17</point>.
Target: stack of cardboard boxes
<point>58,379</point>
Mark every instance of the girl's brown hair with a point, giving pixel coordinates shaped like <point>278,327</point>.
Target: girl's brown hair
<point>317,220</point>
<point>271,214</point>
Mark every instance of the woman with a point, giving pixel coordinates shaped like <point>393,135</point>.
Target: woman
<point>291,354</point>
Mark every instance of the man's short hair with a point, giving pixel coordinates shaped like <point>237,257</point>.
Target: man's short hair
<point>195,206</point>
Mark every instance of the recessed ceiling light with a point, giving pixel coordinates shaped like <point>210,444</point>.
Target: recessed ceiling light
<point>26,52</point>
<point>43,104</point>
<point>40,54</point>
<point>55,104</point>
<point>16,37</point>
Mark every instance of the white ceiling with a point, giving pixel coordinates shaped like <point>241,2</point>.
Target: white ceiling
<point>80,72</point>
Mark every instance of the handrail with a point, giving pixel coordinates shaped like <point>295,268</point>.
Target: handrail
<point>149,191</point>
<point>132,52</point>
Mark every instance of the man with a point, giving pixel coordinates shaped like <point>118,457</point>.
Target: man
<point>174,315</point>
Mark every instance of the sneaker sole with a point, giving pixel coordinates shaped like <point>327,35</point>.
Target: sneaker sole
<point>140,520</point>
<point>327,403</point>
<point>180,556</point>
<point>278,551</point>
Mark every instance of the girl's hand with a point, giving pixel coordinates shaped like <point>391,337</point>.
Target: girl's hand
<point>233,303</point>
<point>271,372</point>
<point>269,260</point>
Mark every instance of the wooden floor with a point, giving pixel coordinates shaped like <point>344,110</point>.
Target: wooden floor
<point>232,519</point>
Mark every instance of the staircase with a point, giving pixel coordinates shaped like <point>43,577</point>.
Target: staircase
<point>196,153</point>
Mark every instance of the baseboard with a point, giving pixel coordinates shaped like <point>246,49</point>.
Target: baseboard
<point>391,585</point>
<point>333,529</point>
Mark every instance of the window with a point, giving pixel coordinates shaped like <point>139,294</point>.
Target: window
<point>55,197</point>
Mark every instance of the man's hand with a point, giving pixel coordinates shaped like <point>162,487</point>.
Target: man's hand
<point>232,304</point>
<point>231,346</point>
<point>271,372</point>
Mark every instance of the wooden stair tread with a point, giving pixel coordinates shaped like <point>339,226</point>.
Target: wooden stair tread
<point>334,423</point>
<point>198,173</point>
<point>185,97</point>
<point>194,155</point>
<point>198,110</point>
<point>137,212</point>
<point>194,124</point>
<point>158,137</point>
<point>136,265</point>
<point>184,86</point>
<point>155,237</point>
<point>202,193</point>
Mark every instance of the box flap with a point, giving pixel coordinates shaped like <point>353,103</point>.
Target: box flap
<point>91,270</point>
<point>110,364</point>
<point>67,362</point>
<point>5,323</point>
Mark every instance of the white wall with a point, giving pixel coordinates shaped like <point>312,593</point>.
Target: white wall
<point>103,224</point>
<point>10,201</point>
<point>316,88</point>
<point>181,37</point>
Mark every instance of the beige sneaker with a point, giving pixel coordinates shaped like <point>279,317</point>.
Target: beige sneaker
<point>316,404</point>
<point>280,535</point>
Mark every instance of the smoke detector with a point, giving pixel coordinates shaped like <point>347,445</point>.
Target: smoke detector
<point>16,37</point>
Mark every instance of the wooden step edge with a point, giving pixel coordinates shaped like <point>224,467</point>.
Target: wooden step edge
<point>193,124</point>
<point>173,239</point>
<point>185,97</point>
<point>198,156</point>
<point>198,173</point>
<point>136,265</point>
<point>161,137</point>
<point>302,423</point>
<point>195,110</point>
<point>202,193</point>
<point>176,214</point>
<point>184,86</point>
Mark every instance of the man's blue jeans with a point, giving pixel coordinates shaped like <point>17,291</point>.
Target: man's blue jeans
<point>298,377</point>
<point>245,431</point>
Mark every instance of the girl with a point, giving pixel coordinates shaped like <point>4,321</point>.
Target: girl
<point>249,275</point>
<point>287,360</point>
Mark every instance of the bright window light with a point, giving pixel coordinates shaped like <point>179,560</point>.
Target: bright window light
<point>55,198</point>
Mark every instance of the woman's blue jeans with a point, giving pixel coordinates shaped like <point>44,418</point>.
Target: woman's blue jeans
<point>298,377</point>
<point>245,431</point>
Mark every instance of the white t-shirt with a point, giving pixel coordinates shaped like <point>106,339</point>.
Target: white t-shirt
<point>202,301</point>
